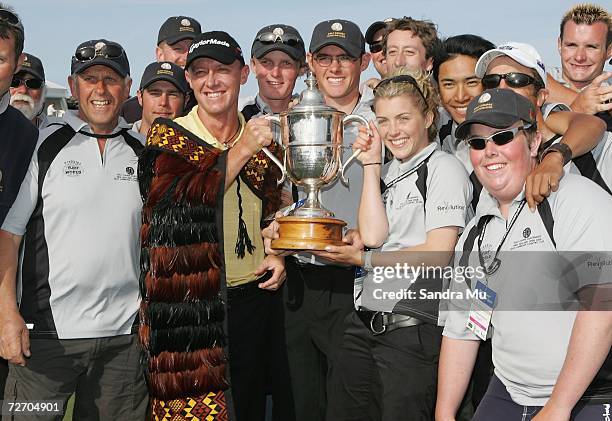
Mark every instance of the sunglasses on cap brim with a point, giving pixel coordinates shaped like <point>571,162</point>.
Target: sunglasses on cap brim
<point>109,51</point>
<point>500,138</point>
<point>29,83</point>
<point>272,38</point>
<point>9,17</point>
<point>513,80</point>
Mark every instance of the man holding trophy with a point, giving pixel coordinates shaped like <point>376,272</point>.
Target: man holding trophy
<point>319,294</point>
<point>194,169</point>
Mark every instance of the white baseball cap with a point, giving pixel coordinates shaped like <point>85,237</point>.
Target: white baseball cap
<point>524,54</point>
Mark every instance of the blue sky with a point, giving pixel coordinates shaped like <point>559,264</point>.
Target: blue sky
<point>55,27</point>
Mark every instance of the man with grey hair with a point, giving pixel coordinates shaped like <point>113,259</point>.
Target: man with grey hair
<point>28,90</point>
<point>73,330</point>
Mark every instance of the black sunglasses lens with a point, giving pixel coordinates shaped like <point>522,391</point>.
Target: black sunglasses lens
<point>33,83</point>
<point>376,47</point>
<point>477,143</point>
<point>502,138</point>
<point>491,81</point>
<point>518,80</point>
<point>85,54</point>
<point>15,82</point>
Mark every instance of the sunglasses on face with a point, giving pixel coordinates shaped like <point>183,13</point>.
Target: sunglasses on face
<point>9,17</point>
<point>29,83</point>
<point>513,79</point>
<point>500,138</point>
<point>272,38</point>
<point>107,51</point>
<point>376,47</point>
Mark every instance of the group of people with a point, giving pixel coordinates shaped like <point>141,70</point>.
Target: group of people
<point>137,271</point>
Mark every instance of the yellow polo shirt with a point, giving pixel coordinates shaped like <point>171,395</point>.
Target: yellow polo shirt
<point>237,271</point>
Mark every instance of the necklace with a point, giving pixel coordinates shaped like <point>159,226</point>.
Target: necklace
<point>232,140</point>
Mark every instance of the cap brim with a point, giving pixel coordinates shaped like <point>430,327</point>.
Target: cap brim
<point>166,78</point>
<point>31,72</point>
<point>485,60</point>
<point>353,52</point>
<point>176,38</point>
<point>294,53</point>
<point>493,119</point>
<point>219,54</point>
<point>80,67</point>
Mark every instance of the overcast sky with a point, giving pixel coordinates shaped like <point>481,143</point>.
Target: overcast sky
<point>55,27</point>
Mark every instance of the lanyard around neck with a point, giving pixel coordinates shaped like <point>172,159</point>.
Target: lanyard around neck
<point>496,263</point>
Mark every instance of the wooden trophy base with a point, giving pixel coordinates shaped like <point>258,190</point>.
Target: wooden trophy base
<point>303,233</point>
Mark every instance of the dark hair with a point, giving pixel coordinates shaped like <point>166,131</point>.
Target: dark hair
<point>464,45</point>
<point>8,31</point>
<point>424,29</point>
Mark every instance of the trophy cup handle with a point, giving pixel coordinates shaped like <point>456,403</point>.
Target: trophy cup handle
<point>352,118</point>
<point>275,120</point>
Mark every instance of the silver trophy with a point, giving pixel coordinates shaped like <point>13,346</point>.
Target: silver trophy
<point>312,140</point>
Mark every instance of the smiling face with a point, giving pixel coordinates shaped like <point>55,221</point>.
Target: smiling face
<point>583,52</point>
<point>216,86</point>
<point>175,53</point>
<point>160,99</point>
<point>502,170</point>
<point>458,85</point>
<point>405,49</point>
<point>338,81</point>
<point>8,63</point>
<point>101,92</point>
<point>402,125</point>
<point>276,73</point>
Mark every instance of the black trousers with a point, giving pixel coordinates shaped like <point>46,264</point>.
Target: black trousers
<point>317,300</point>
<point>387,377</point>
<point>3,374</point>
<point>257,353</point>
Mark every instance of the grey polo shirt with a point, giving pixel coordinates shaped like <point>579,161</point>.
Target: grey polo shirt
<point>81,256</point>
<point>411,216</point>
<point>530,343</point>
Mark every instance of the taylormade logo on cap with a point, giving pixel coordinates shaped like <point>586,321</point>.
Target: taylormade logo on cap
<point>207,42</point>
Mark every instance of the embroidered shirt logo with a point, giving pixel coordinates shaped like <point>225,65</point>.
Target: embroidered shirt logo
<point>73,168</point>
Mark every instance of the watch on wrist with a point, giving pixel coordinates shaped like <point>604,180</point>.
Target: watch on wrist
<point>367,260</point>
<point>562,148</point>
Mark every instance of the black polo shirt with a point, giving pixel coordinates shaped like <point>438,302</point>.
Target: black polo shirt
<point>18,138</point>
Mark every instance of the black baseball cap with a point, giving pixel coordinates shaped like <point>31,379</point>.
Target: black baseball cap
<point>497,108</point>
<point>164,70</point>
<point>374,28</point>
<point>100,51</point>
<point>342,33</point>
<point>217,45</point>
<point>178,28</point>
<point>279,37</point>
<point>32,65</point>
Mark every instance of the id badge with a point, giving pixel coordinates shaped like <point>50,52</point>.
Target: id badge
<point>481,310</point>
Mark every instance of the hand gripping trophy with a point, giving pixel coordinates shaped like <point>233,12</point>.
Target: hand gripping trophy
<point>312,133</point>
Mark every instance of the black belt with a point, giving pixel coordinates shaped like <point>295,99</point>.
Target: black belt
<point>380,322</point>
